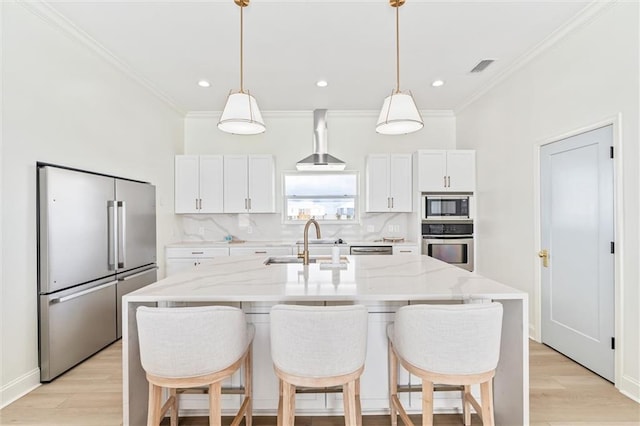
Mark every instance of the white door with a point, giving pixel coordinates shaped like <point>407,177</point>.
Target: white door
<point>235,184</point>
<point>400,178</point>
<point>186,184</point>
<point>377,175</point>
<point>461,170</point>
<point>261,184</point>
<point>211,179</point>
<point>577,230</point>
<point>432,170</point>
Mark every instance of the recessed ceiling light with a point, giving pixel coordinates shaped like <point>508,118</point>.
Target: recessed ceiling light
<point>437,83</point>
<point>322,83</point>
<point>204,83</point>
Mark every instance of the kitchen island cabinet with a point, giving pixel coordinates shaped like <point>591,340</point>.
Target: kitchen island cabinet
<point>377,281</point>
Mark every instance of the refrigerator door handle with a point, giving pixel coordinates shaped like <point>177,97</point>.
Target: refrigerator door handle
<point>112,235</point>
<point>81,293</point>
<point>122,234</point>
<point>146,271</point>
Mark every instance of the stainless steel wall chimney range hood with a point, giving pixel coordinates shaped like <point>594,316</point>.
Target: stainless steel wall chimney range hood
<point>320,160</point>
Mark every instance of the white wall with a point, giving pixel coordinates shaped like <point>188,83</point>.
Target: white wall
<point>289,137</point>
<point>588,76</point>
<point>64,104</point>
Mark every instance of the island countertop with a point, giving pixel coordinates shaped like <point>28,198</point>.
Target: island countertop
<point>361,278</point>
<point>364,279</point>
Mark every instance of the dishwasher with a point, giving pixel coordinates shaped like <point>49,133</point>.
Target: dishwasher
<point>371,250</point>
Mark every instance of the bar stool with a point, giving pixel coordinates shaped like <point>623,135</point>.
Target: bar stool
<point>446,344</point>
<point>317,347</point>
<point>191,347</point>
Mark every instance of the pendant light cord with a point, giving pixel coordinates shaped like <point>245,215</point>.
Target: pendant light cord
<point>397,48</point>
<point>241,51</point>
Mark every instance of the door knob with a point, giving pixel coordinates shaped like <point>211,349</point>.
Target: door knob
<point>544,254</point>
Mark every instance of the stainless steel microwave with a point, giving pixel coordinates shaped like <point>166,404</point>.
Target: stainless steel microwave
<point>446,206</point>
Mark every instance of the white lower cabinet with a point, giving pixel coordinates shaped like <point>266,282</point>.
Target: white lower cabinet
<point>180,259</point>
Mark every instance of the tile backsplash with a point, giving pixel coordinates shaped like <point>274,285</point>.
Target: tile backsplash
<point>269,227</point>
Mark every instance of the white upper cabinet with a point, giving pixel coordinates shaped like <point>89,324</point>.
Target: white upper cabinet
<point>249,184</point>
<point>198,184</point>
<point>446,170</point>
<point>388,183</point>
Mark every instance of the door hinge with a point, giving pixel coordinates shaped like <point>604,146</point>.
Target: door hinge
<point>613,343</point>
<point>613,247</point>
<point>611,152</point>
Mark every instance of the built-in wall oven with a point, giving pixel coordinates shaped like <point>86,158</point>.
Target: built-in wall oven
<point>451,242</point>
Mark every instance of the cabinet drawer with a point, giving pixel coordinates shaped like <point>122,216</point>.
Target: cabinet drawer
<point>266,251</point>
<point>196,253</point>
<point>406,250</point>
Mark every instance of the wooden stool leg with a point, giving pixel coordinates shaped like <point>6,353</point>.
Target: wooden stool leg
<point>427,403</point>
<point>393,385</point>
<point>349,397</point>
<point>358,403</point>
<point>280,404</point>
<point>289,404</point>
<point>248,392</point>
<point>155,405</point>
<point>466,405</point>
<point>486,394</point>
<point>174,407</point>
<point>215,410</point>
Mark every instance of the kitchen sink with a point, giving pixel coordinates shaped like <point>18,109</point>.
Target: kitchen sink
<point>331,241</point>
<point>294,259</point>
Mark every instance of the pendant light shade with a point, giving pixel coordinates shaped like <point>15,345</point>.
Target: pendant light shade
<point>241,115</point>
<point>399,114</point>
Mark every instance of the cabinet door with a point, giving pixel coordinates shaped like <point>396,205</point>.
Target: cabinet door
<point>265,382</point>
<point>186,184</point>
<point>461,170</point>
<point>432,170</point>
<point>400,179</point>
<point>261,184</point>
<point>377,183</point>
<point>399,250</point>
<point>175,266</point>
<point>235,183</point>
<point>211,183</point>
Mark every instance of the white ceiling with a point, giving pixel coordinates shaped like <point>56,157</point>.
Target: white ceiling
<point>291,44</point>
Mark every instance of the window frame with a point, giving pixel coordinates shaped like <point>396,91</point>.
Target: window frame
<point>356,197</point>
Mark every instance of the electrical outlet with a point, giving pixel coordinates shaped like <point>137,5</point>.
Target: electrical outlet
<point>249,230</point>
<point>390,228</point>
<point>201,231</point>
<point>396,228</point>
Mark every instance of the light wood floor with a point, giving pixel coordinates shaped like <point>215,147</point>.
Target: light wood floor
<point>562,394</point>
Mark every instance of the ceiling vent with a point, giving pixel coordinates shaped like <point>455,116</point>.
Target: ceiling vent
<point>482,65</point>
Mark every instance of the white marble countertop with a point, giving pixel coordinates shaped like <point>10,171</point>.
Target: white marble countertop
<point>363,278</point>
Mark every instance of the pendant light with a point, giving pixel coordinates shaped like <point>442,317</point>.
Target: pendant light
<point>241,115</point>
<point>399,113</point>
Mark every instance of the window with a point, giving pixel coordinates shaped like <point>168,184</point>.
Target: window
<point>328,197</point>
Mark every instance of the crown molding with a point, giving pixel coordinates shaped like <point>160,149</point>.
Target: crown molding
<point>50,15</point>
<point>587,14</point>
<point>309,114</point>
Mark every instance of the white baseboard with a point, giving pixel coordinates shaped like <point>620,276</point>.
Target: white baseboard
<point>630,388</point>
<point>19,387</point>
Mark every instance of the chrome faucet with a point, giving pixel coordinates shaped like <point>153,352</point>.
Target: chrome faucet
<point>305,252</point>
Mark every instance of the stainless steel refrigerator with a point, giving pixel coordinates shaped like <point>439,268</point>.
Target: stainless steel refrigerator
<point>96,242</point>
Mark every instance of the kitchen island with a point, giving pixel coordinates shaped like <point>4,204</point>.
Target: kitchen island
<point>380,282</point>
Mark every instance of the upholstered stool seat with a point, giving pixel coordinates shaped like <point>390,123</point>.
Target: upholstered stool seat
<point>319,346</point>
<point>193,347</point>
<point>450,345</point>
